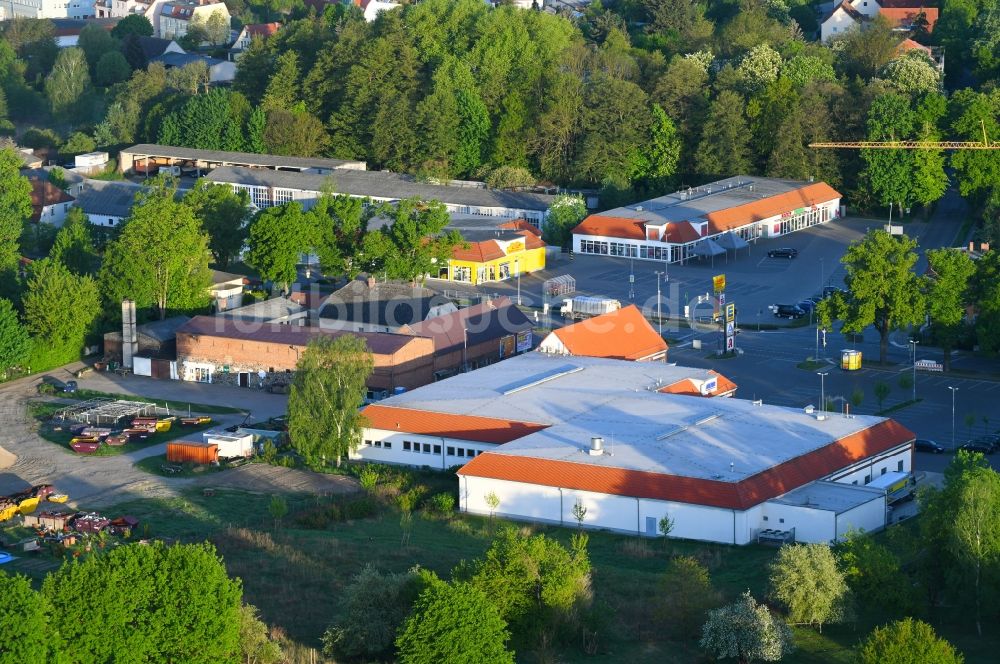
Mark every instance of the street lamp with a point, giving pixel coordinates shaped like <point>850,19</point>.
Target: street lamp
<point>659,315</point>
<point>953,390</point>
<point>822,390</point>
<point>913,347</point>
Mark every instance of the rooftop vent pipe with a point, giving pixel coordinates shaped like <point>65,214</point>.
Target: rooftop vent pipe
<point>596,446</point>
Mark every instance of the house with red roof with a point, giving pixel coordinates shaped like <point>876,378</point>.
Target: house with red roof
<point>546,433</point>
<point>707,220</point>
<point>624,334</point>
<point>250,32</point>
<point>49,203</point>
<point>904,15</point>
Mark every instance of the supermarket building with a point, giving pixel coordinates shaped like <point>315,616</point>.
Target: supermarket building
<point>708,220</point>
<point>546,433</point>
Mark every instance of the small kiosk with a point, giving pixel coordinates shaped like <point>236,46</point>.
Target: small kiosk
<point>850,360</point>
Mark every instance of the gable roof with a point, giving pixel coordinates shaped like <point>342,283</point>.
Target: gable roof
<point>742,495</point>
<point>521,225</point>
<point>261,29</point>
<point>113,199</point>
<point>43,194</point>
<point>846,8</point>
<point>478,252</point>
<point>381,303</point>
<point>687,386</point>
<point>741,215</point>
<point>908,45</point>
<point>154,46</point>
<point>488,321</point>
<point>622,335</point>
<point>904,17</point>
<point>609,226</point>
<point>445,425</point>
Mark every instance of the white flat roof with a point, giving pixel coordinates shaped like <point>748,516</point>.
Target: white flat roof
<point>830,496</point>
<point>724,439</point>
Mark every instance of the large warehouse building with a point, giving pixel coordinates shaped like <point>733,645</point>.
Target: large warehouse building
<point>545,433</point>
<point>708,220</point>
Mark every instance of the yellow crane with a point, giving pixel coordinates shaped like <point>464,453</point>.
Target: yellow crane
<point>984,144</point>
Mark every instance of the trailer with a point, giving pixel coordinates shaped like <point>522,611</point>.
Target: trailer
<point>584,306</point>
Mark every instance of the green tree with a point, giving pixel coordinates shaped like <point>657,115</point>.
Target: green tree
<point>874,574</point>
<point>454,622</point>
<point>913,73</point>
<point>986,295</point>
<point>864,53</point>
<point>323,406</point>
<point>974,113</point>
<point>374,606</point>
<point>339,224</point>
<point>112,68</point>
<point>24,622</point>
<point>15,344</point>
<point>531,579</point>
<point>133,24</point>
<point>890,171</point>
<point>276,239</point>
<point>77,143</point>
<point>147,603</point>
<point>161,257</point>
<point>976,532</point>
<point>294,133</point>
<point>277,508</point>
<point>907,641</point>
<point>687,596</point>
<point>747,631</point>
<point>883,289</point>
<point>724,147</point>
<point>282,91</point>
<point>413,245</point>
<point>256,647</point>
<point>51,291</point>
<point>95,42</point>
<point>565,213</point>
<point>947,288</point>
<point>223,214</point>
<point>74,244</point>
<point>664,151</point>
<point>807,581</point>
<point>68,82</point>
<point>256,125</point>
<point>253,71</point>
<point>881,390</point>
<point>15,208</point>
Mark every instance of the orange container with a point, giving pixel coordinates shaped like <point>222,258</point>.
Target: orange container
<point>194,451</point>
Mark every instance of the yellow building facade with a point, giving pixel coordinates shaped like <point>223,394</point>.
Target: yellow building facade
<point>496,259</point>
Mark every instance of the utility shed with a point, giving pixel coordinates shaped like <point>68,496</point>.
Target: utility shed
<point>230,444</point>
<point>48,520</point>
<point>193,451</point>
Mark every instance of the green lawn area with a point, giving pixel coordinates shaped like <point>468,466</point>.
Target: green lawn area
<point>295,574</point>
<point>176,407</point>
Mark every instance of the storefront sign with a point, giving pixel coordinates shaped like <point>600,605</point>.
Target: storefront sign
<point>719,282</point>
<point>523,341</point>
<point>514,247</point>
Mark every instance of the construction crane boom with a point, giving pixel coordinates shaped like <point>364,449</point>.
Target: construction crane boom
<point>910,145</point>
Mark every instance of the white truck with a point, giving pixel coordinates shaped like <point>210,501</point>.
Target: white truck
<point>584,306</point>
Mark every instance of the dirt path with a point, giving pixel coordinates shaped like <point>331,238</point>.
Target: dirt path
<point>27,459</point>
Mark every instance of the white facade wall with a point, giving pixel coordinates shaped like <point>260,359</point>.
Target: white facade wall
<point>838,24</point>
<point>552,344</point>
<point>869,517</point>
<point>107,220</point>
<point>142,366</point>
<point>897,459</point>
<point>385,446</point>
<point>55,214</point>
<point>35,8</point>
<point>81,9</point>
<point>810,524</point>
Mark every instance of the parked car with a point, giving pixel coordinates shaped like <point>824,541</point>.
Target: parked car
<point>58,385</point>
<point>806,305</point>
<point>979,445</point>
<point>830,290</point>
<point>783,252</point>
<point>925,445</point>
<point>790,311</point>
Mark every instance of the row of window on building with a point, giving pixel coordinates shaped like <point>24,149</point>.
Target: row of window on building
<point>868,478</point>
<point>424,448</point>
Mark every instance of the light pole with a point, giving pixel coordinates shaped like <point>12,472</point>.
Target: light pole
<point>913,347</point>
<point>659,315</point>
<point>822,390</point>
<point>953,390</point>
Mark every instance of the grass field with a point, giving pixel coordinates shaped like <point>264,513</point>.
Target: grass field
<point>295,575</point>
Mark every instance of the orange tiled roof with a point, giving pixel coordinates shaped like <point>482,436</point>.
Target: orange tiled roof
<point>741,495</point>
<point>622,335</point>
<point>905,16</point>
<point>261,29</point>
<point>741,215</point>
<point>909,45</point>
<point>447,425</point>
<point>520,225</point>
<point>687,387</point>
<point>599,224</point>
<point>681,233</point>
<point>478,252</point>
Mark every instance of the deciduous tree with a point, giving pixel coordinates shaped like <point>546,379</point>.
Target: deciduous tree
<point>223,214</point>
<point>275,241</point>
<point>976,532</point>
<point>74,244</point>
<point>414,245</point>
<point>947,290</point>
<point>15,344</point>
<point>907,641</point>
<point>15,208</point>
<point>68,82</point>
<point>161,257</point>
<point>324,421</point>
<point>52,291</point>
<point>725,139</point>
<point>747,631</point>
<point>807,580</point>
<point>883,289</point>
<point>454,622</point>
<point>133,24</point>
<point>566,211</point>
<point>24,623</point>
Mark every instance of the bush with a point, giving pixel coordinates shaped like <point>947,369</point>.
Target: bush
<point>41,138</point>
<point>442,503</point>
<point>368,477</point>
<point>410,500</point>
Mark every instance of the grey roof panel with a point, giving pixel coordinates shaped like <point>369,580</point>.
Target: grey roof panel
<point>218,156</point>
<point>107,198</point>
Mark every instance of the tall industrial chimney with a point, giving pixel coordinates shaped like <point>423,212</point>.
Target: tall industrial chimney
<point>130,340</point>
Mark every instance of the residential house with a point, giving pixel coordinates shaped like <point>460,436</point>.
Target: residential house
<point>176,17</point>
<point>222,350</point>
<point>49,203</point>
<point>227,290</point>
<point>368,305</point>
<point>50,9</point>
<point>372,8</point>
<point>107,203</point>
<point>219,71</point>
<point>624,334</point>
<point>475,336</point>
<point>902,14</point>
<point>248,34</point>
<point>120,8</point>
<point>154,47</point>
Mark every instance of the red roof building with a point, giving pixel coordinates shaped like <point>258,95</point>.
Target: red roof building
<point>708,219</point>
<point>624,334</point>
<point>49,203</point>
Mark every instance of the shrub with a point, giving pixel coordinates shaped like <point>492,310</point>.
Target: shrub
<point>442,503</point>
<point>368,477</point>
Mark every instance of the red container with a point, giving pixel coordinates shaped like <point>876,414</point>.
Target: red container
<point>194,451</point>
<point>85,446</point>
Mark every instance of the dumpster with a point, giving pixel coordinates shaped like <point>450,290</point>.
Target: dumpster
<point>850,360</point>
